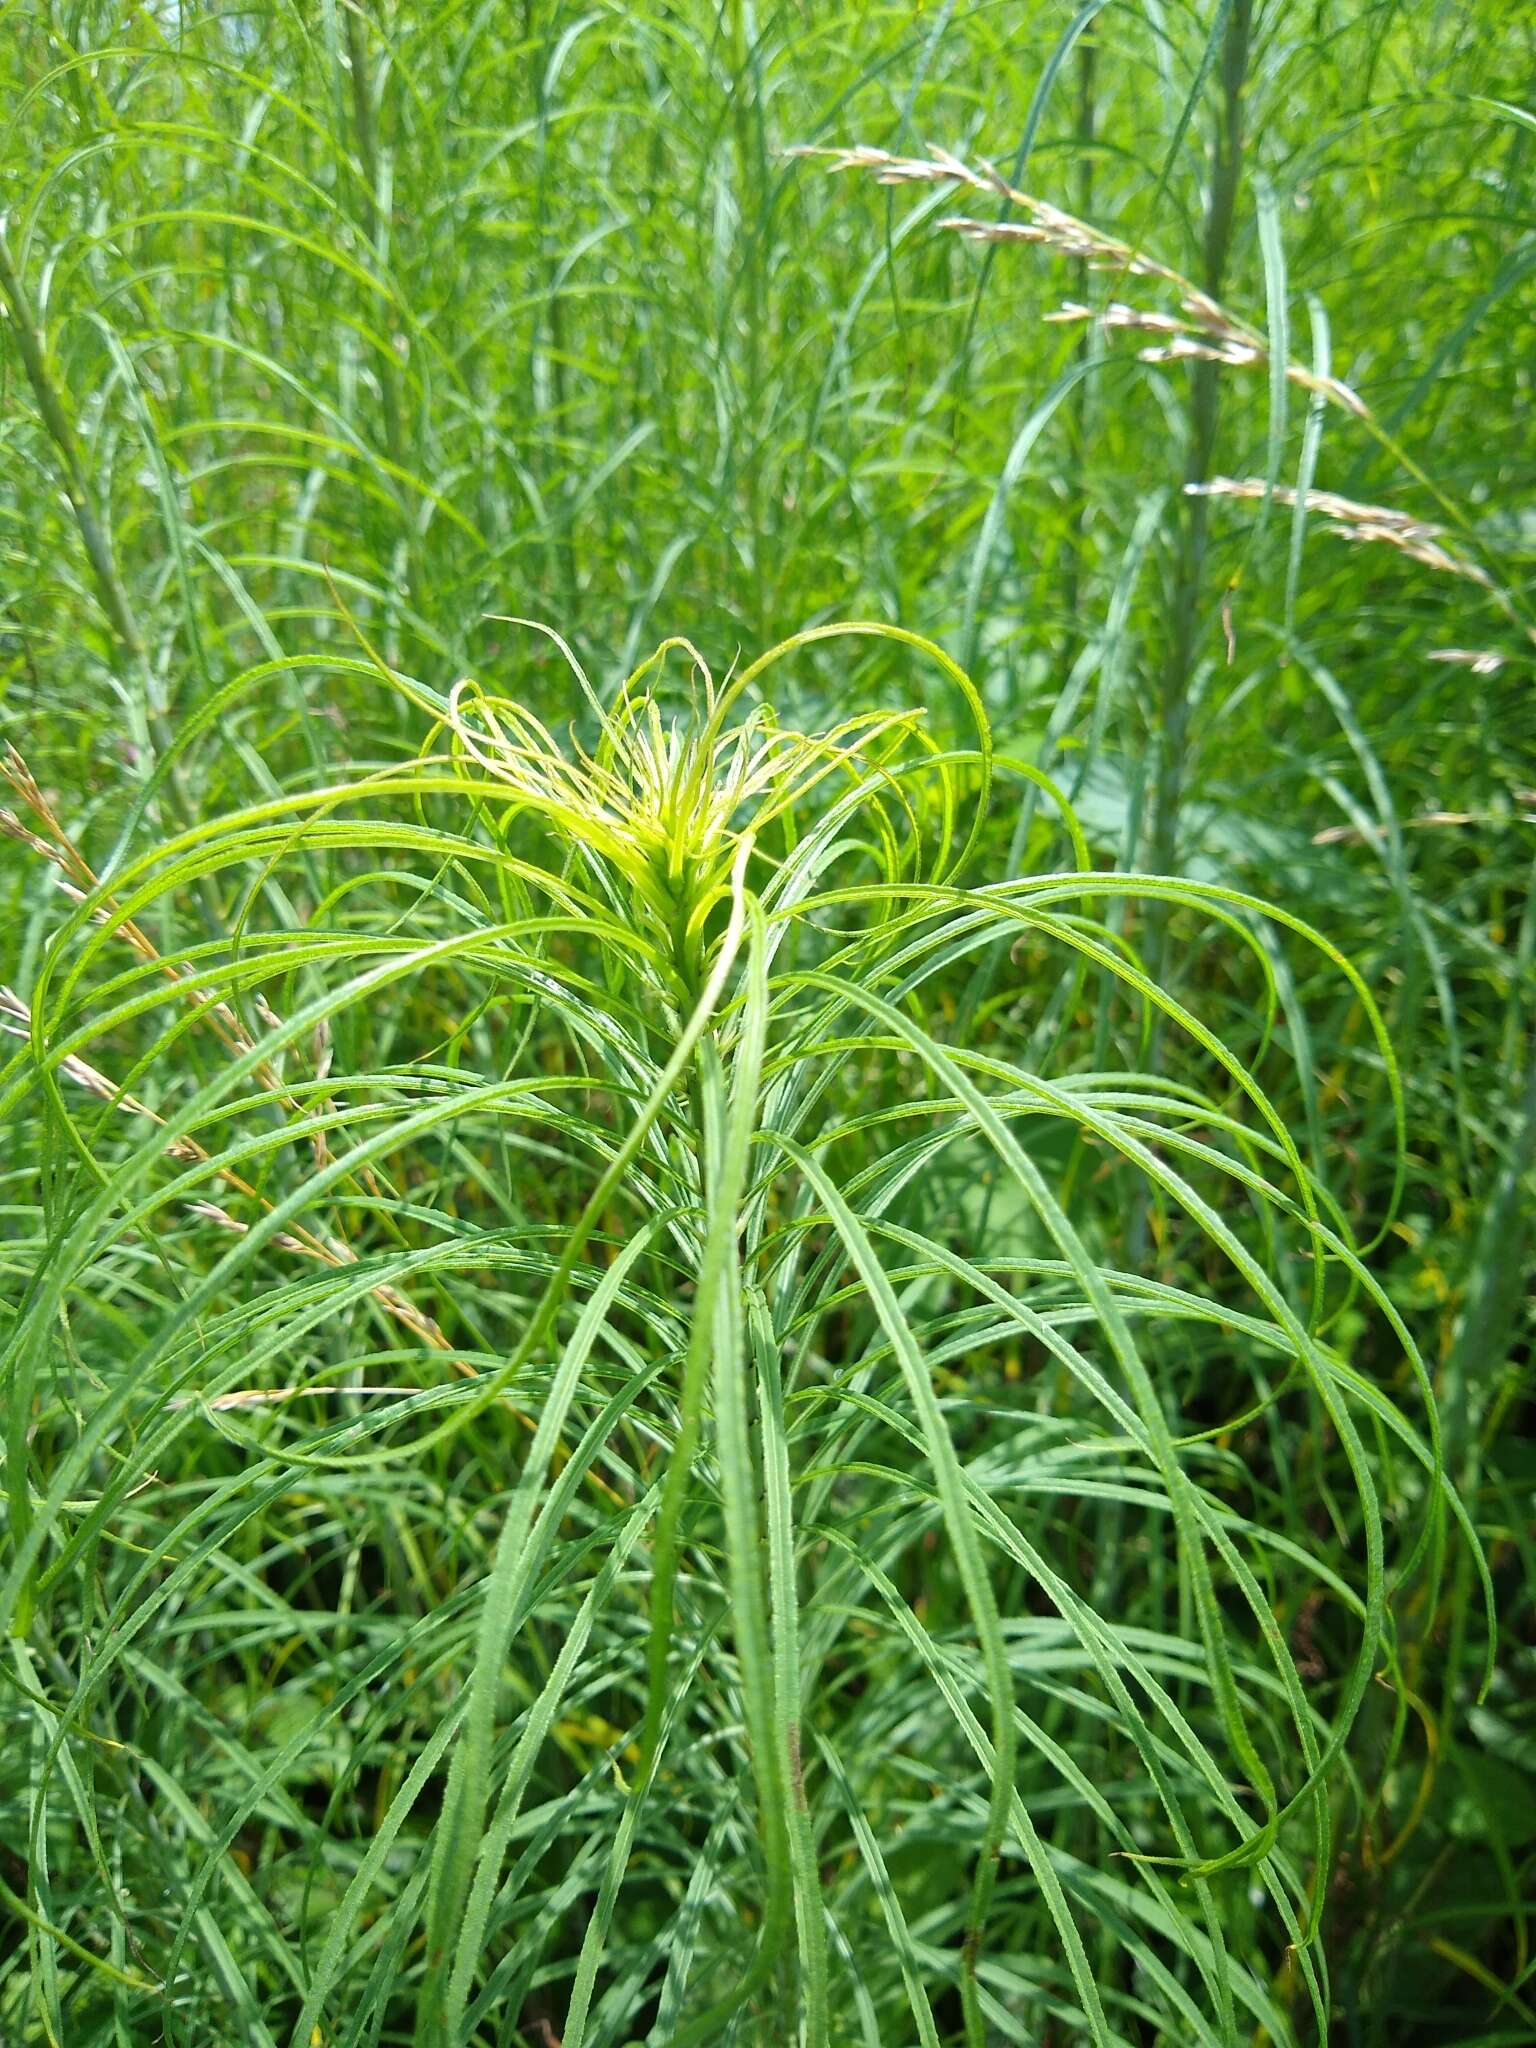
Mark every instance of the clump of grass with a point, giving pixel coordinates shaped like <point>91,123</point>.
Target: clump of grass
<point>323,333</point>
<point>747,1331</point>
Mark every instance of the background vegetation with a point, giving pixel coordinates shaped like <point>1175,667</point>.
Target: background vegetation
<point>329,335</point>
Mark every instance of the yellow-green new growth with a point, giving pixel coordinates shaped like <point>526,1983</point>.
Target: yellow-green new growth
<point>664,801</point>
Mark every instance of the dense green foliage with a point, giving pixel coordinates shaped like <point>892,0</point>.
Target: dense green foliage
<point>820,1337</point>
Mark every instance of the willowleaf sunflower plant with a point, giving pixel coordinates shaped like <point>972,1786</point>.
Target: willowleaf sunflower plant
<point>674,1450</point>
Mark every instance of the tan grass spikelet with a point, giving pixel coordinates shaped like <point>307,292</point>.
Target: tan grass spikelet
<point>1201,330</point>
<point>1418,539</point>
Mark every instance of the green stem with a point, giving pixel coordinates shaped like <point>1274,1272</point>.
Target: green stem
<point>73,475</point>
<point>717,1338</point>
<point>752,226</point>
<point>376,224</point>
<point>156,731</point>
<point>719,1136</point>
<point>1193,513</point>
<point>468,1789</point>
<point>1078,421</point>
<point>1192,520</point>
<point>1495,1298</point>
